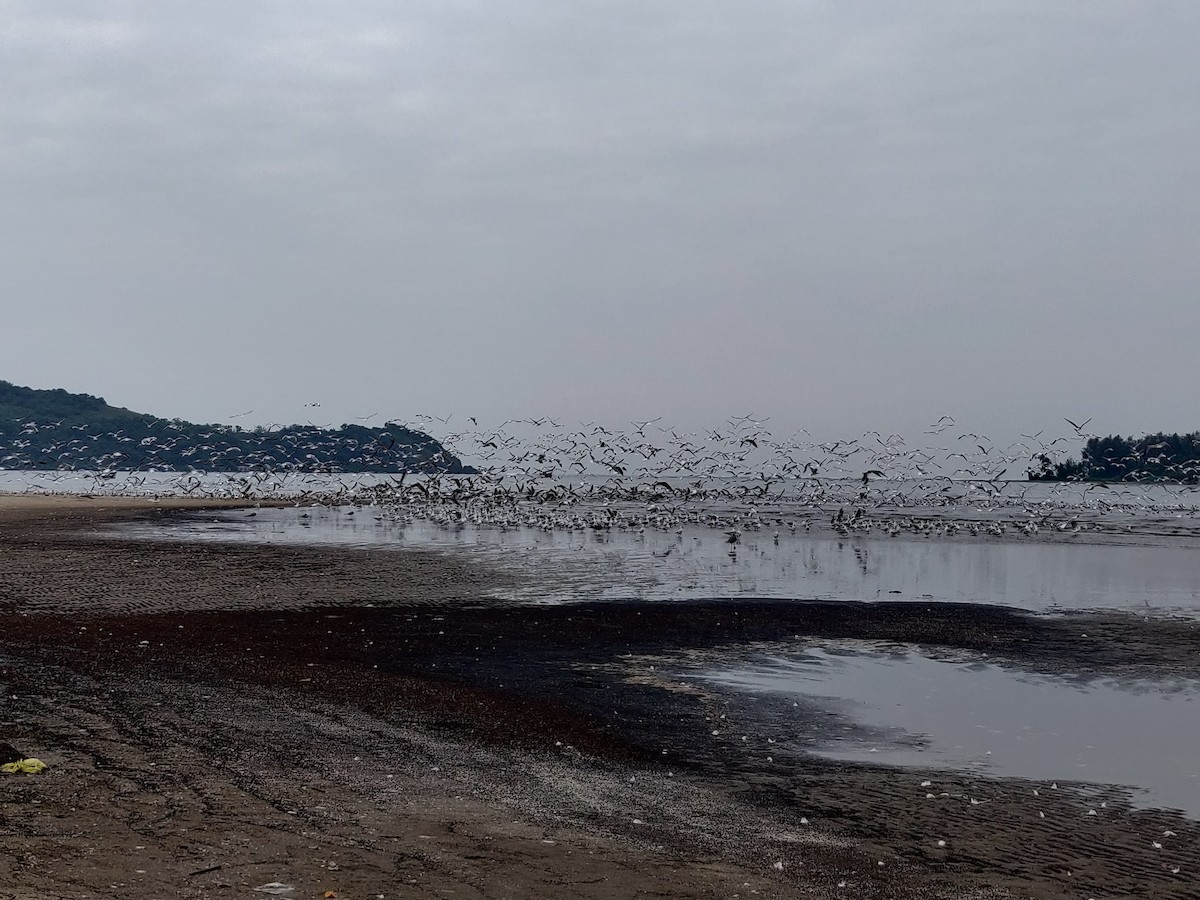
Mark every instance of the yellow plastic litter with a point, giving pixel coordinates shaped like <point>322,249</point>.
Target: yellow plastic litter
<point>29,766</point>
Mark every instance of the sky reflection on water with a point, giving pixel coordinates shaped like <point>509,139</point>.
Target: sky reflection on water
<point>968,714</point>
<point>1025,573</point>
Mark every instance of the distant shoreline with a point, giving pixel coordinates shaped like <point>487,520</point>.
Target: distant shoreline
<point>1055,479</point>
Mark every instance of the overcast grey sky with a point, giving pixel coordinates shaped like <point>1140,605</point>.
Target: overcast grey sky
<point>846,215</point>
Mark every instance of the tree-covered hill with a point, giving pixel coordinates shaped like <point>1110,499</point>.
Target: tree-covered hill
<point>54,429</point>
<point>1153,457</point>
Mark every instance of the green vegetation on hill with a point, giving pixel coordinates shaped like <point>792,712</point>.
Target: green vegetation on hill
<point>55,429</point>
<point>1154,457</point>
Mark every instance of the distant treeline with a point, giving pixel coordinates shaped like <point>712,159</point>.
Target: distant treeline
<point>1154,457</point>
<point>54,429</point>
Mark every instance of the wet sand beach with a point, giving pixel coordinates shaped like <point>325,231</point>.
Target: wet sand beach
<point>218,717</point>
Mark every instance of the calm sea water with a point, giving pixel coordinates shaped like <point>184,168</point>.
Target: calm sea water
<point>959,496</point>
<point>907,709</point>
<point>1143,570</point>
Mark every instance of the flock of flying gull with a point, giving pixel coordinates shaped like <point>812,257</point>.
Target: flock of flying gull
<point>737,477</point>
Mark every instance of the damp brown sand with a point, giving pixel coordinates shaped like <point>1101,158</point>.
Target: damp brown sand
<point>217,717</point>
